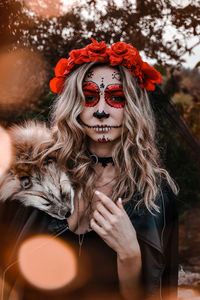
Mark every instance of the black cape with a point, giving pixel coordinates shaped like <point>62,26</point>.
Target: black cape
<point>157,236</point>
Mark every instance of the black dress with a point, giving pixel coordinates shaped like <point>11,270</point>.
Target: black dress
<point>157,237</point>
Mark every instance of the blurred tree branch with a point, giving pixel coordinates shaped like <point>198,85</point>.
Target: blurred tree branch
<point>142,23</point>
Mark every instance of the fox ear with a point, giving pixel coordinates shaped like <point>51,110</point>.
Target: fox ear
<point>30,140</point>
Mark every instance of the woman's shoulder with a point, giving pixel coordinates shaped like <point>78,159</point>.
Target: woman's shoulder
<point>165,200</point>
<point>151,226</point>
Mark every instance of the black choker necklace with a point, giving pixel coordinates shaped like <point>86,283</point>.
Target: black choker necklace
<point>103,160</point>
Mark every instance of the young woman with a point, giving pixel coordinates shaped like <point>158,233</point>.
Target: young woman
<point>104,130</point>
<point>124,217</point>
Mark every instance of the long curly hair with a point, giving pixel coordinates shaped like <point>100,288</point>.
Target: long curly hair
<point>136,157</point>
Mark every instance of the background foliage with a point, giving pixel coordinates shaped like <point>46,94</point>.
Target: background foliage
<point>157,28</point>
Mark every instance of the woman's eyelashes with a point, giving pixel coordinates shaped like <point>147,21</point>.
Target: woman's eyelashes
<point>91,100</point>
<point>113,94</point>
<point>91,93</point>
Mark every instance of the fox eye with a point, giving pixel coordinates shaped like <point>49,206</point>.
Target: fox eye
<point>25,182</point>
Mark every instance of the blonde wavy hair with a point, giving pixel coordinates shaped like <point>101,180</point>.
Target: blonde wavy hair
<point>135,155</point>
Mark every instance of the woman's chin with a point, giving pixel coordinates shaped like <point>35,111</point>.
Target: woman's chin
<point>103,139</point>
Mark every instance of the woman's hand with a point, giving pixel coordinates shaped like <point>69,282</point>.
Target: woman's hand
<point>111,222</point>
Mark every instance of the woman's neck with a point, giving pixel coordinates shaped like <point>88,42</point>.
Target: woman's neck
<point>101,149</point>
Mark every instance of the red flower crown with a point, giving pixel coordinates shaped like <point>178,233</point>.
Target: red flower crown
<point>120,53</point>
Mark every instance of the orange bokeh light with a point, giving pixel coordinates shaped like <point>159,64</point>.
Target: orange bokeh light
<point>184,293</point>
<point>49,8</point>
<point>5,151</point>
<point>188,294</point>
<point>47,263</point>
<point>23,75</point>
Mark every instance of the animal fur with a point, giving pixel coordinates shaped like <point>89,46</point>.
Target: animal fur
<point>41,185</point>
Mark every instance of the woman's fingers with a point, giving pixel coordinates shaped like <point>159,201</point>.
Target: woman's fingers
<point>119,203</point>
<point>101,221</point>
<point>99,218</point>
<point>108,203</point>
<point>98,229</point>
<point>104,211</point>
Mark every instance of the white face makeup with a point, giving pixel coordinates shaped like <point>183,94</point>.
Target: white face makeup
<point>103,112</point>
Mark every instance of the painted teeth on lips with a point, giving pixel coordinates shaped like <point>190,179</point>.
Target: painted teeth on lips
<point>102,128</point>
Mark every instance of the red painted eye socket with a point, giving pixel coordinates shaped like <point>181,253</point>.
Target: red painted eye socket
<point>91,93</point>
<point>114,96</point>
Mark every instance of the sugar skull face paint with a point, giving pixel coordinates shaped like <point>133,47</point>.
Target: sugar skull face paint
<point>114,95</point>
<point>103,109</point>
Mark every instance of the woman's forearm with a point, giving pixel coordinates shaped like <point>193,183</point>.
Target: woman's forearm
<point>129,272</point>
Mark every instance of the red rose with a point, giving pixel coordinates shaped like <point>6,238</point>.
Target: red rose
<point>150,76</point>
<point>126,54</point>
<point>134,66</point>
<point>61,66</point>
<point>79,56</point>
<point>120,48</point>
<point>56,84</point>
<point>133,57</point>
<point>118,52</point>
<point>69,67</point>
<point>115,60</point>
<point>97,51</point>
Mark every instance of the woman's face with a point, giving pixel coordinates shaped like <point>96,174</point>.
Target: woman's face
<point>103,112</point>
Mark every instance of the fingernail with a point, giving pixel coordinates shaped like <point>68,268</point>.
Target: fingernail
<point>120,200</point>
<point>97,192</point>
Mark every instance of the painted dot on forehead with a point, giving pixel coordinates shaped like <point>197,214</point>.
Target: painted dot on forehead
<point>102,85</point>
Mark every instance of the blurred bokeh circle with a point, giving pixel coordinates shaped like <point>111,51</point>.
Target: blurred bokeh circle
<point>5,151</point>
<point>23,77</point>
<point>47,263</point>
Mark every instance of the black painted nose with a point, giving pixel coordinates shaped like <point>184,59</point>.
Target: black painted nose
<point>100,115</point>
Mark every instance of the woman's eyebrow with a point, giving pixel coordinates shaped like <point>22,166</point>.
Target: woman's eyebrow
<point>90,89</point>
<point>90,86</point>
<point>114,88</point>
